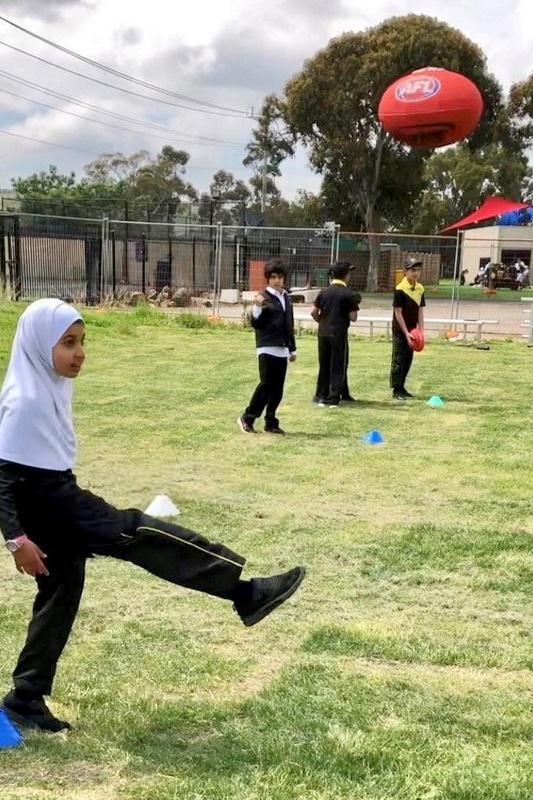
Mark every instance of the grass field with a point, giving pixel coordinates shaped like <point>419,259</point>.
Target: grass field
<point>444,291</point>
<point>402,668</point>
<point>467,292</point>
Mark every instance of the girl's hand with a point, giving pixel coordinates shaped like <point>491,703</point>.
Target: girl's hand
<point>29,559</point>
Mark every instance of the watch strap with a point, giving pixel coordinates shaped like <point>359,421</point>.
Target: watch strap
<point>17,541</point>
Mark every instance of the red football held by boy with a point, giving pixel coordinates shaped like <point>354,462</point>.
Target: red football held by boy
<point>417,339</point>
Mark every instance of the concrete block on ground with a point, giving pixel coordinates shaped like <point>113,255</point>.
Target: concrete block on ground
<point>230,296</point>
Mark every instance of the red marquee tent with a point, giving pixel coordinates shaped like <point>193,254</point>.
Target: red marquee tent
<point>491,207</point>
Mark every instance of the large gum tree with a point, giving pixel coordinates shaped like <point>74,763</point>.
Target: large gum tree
<point>331,106</point>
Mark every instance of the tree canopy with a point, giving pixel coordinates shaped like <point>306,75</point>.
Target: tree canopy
<point>152,186</point>
<point>332,106</point>
<point>370,182</point>
<point>457,179</point>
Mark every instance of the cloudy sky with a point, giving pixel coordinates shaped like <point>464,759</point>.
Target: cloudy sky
<point>220,56</point>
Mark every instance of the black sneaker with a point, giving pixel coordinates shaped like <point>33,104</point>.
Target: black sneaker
<point>269,593</point>
<point>399,395</point>
<point>32,714</point>
<point>406,393</point>
<point>245,426</point>
<point>275,429</point>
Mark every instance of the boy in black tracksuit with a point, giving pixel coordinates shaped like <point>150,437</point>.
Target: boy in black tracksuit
<point>408,303</point>
<point>334,309</point>
<point>273,321</point>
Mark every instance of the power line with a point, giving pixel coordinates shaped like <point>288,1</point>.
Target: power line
<point>119,74</point>
<point>16,79</point>
<point>79,149</point>
<point>120,88</point>
<point>50,144</point>
<point>110,124</point>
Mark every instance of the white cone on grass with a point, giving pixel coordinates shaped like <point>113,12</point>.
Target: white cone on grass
<point>162,506</point>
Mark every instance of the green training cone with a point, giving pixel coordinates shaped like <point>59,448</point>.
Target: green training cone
<point>435,401</point>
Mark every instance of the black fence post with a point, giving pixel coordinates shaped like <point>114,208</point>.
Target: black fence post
<point>125,264</point>
<point>93,266</point>
<point>194,262</point>
<point>3,265</point>
<point>244,262</point>
<point>143,265</point>
<point>15,266</point>
<point>113,263</point>
<point>235,260</point>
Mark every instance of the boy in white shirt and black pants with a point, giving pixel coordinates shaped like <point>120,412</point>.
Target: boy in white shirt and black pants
<point>273,321</point>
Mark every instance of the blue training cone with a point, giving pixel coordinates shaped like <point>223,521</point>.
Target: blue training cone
<point>373,437</point>
<point>435,401</point>
<point>9,735</point>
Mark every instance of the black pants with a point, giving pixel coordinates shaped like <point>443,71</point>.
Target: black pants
<point>345,388</point>
<point>402,358</point>
<point>332,353</point>
<point>70,524</point>
<point>269,390</point>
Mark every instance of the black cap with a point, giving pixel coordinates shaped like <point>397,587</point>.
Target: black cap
<point>412,262</point>
<point>340,269</point>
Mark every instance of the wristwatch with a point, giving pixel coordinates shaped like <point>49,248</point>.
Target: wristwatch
<point>13,545</point>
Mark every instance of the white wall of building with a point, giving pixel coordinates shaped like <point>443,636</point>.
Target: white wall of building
<point>489,242</point>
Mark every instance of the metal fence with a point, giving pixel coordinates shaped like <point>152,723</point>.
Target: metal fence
<point>92,260</point>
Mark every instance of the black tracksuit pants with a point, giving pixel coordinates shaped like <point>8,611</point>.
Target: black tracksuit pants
<point>269,391</point>
<point>332,354</point>
<point>402,358</point>
<point>70,524</point>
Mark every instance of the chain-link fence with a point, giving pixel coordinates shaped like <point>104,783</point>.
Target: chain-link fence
<point>44,256</point>
<point>480,274</point>
<point>384,254</point>
<point>90,259</point>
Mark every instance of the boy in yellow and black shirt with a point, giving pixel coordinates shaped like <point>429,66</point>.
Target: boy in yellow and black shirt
<point>408,303</point>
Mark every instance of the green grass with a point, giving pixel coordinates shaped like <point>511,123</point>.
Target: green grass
<point>444,290</point>
<point>400,671</point>
<point>445,287</point>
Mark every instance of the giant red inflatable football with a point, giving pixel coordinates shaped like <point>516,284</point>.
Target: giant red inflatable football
<point>417,339</point>
<point>430,107</point>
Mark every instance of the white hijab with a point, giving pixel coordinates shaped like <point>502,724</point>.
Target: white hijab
<point>35,402</point>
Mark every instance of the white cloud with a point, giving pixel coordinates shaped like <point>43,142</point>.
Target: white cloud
<point>231,54</point>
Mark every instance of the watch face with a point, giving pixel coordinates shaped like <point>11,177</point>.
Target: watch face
<point>12,546</point>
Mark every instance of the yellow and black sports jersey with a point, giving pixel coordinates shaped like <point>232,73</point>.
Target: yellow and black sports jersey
<point>409,299</point>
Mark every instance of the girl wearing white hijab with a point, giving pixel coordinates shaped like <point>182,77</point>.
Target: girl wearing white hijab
<point>51,525</point>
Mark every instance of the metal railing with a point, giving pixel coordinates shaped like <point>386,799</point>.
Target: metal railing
<point>95,258</point>
<point>92,259</point>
